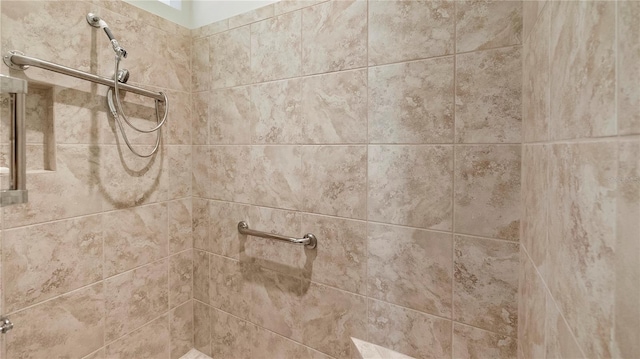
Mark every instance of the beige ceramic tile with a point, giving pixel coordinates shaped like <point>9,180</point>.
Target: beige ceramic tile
<point>535,198</point>
<point>536,83</point>
<point>531,309</point>
<point>488,96</point>
<point>409,30</point>
<point>77,167</point>
<point>276,176</point>
<point>229,288</point>
<point>138,295</point>
<point>200,122</point>
<point>582,69</point>
<point>277,112</point>
<point>180,166</point>
<point>50,259</point>
<point>486,284</point>
<point>334,108</point>
<point>200,62</point>
<point>407,331</point>
<point>231,114</point>
<point>531,10</point>
<point>230,173</point>
<point>180,223</point>
<point>232,337</point>
<point>411,185</point>
<point>99,354</point>
<point>560,342</point>
<point>275,47</point>
<point>210,29</point>
<point>284,6</point>
<point>74,326</point>
<point>224,238</point>
<point>200,178</point>
<point>75,117</point>
<point>470,342</point>
<point>150,341</point>
<point>176,49</point>
<point>133,237</point>
<point>334,36</point>
<point>334,180</point>
<point>201,276</point>
<point>180,278</point>
<point>340,258</point>
<point>181,329</point>
<point>410,267</point>
<point>628,55</point>
<point>270,345</point>
<point>202,327</point>
<point>487,194</point>
<point>200,224</point>
<point>178,123</point>
<point>251,16</point>
<point>582,240</point>
<point>230,58</point>
<point>412,102</point>
<point>486,24</point>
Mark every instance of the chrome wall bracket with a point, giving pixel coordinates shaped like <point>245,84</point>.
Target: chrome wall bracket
<point>5,325</point>
<point>7,60</point>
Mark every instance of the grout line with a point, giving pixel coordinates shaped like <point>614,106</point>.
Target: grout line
<point>453,177</point>
<point>367,312</point>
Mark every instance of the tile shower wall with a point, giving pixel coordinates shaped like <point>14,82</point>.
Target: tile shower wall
<point>391,130</point>
<point>98,264</point>
<point>580,253</point>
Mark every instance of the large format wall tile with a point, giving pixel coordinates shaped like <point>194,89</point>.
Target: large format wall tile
<point>180,278</point>
<point>488,96</point>
<point>536,82</point>
<point>232,114</point>
<point>151,341</point>
<point>275,47</point>
<point>411,185</point>
<point>276,112</point>
<point>202,327</point>
<point>470,342</point>
<point>334,36</point>
<point>560,342</point>
<point>180,168</point>
<point>180,225</point>
<point>224,238</point>
<point>133,237</point>
<point>582,240</point>
<point>334,179</point>
<point>582,69</point>
<point>407,331</point>
<point>276,176</point>
<point>334,108</point>
<point>201,276</point>
<point>487,193</point>
<point>486,24</point>
<point>69,326</point>
<point>412,102</point>
<point>50,259</point>
<point>531,309</point>
<point>409,267</point>
<point>200,75</point>
<point>138,295</point>
<point>409,30</point>
<point>628,55</point>
<point>229,173</point>
<point>535,198</point>
<point>230,58</point>
<point>181,329</point>
<point>486,284</point>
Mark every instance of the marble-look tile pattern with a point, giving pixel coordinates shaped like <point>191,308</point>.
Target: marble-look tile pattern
<point>582,69</point>
<point>411,185</point>
<point>181,329</point>
<point>334,36</point>
<point>488,96</point>
<point>133,237</point>
<point>531,309</point>
<point>201,276</point>
<point>200,75</point>
<point>248,17</point>
<point>560,341</point>
<point>210,29</point>
<point>531,9</point>
<point>138,295</point>
<point>276,177</point>
<point>229,288</point>
<point>230,58</point>
<point>409,30</point>
<point>334,108</point>
<point>535,199</point>
<point>292,5</point>
<point>151,341</point>
<point>486,24</point>
<point>487,195</point>
<point>536,83</point>
<point>200,121</point>
<point>334,180</point>
<point>76,317</point>
<point>628,77</point>
<point>50,259</point>
<point>470,342</point>
<point>224,238</point>
<point>202,327</point>
<point>582,240</point>
<point>411,102</point>
<point>408,332</point>
<point>180,278</point>
<point>180,168</point>
<point>232,113</point>
<point>276,112</point>
<point>409,267</point>
<point>275,47</point>
<point>486,284</point>
<point>230,173</point>
<point>180,226</point>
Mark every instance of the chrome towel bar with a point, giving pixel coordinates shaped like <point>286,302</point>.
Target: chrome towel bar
<point>309,240</point>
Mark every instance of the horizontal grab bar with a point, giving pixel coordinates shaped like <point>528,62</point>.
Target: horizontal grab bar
<point>309,240</point>
<point>17,60</point>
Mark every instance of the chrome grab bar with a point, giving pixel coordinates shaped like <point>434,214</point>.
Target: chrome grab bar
<point>17,192</point>
<point>18,61</point>
<point>309,240</point>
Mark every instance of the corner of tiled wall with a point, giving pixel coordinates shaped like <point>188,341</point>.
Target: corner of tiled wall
<point>580,260</point>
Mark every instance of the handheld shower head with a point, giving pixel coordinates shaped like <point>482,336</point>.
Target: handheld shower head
<point>95,21</point>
